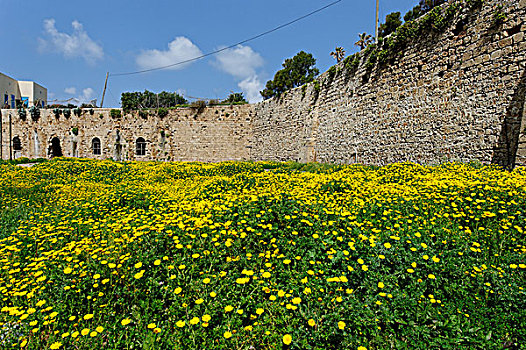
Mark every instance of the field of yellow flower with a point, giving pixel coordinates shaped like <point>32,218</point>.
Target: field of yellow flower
<point>106,255</point>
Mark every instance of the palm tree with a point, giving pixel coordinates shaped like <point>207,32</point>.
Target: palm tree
<point>365,39</point>
<point>338,54</point>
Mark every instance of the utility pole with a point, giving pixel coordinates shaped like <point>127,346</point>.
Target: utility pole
<point>10,139</point>
<point>104,91</point>
<point>376,22</point>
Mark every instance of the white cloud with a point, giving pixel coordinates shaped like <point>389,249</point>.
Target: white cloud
<point>76,44</point>
<point>70,90</point>
<point>180,49</point>
<point>251,87</point>
<point>242,62</point>
<point>87,94</point>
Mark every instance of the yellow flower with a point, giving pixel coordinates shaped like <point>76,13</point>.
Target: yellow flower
<point>341,325</point>
<point>227,334</point>
<point>296,300</point>
<point>381,285</point>
<point>180,323</point>
<point>287,339</point>
<point>74,334</point>
<point>199,301</point>
<point>139,275</point>
<point>152,325</point>
<point>157,262</point>
<point>24,343</point>
<point>206,280</point>
<point>362,348</point>
<point>67,271</point>
<point>178,290</point>
<point>157,330</point>
<point>260,311</point>
<point>194,320</point>
<point>93,334</point>
<point>56,345</point>
<point>213,294</point>
<point>125,321</point>
<point>99,329</point>
<point>387,245</point>
<point>85,331</point>
<point>435,259</point>
<point>88,316</point>
<point>266,274</point>
<point>138,265</point>
<point>431,276</point>
<point>312,323</point>
<point>229,308</point>
<point>206,318</point>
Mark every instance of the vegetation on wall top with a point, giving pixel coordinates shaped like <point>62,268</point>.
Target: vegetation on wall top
<point>131,101</point>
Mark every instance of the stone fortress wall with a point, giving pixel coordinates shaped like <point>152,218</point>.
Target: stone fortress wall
<point>185,134</point>
<point>457,95</point>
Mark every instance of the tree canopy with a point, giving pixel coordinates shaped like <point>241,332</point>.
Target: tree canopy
<point>392,21</point>
<point>296,71</point>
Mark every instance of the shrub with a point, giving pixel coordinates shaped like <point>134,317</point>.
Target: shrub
<point>115,113</point>
<point>235,97</point>
<point>35,113</point>
<point>198,105</point>
<point>162,112</point>
<point>22,113</point>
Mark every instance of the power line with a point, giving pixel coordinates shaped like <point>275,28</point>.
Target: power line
<point>233,45</point>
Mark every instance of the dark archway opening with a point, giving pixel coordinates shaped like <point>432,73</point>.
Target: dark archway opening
<point>95,146</point>
<point>17,145</point>
<point>55,150</point>
<point>140,149</point>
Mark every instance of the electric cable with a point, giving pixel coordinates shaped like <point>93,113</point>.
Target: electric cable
<point>230,46</point>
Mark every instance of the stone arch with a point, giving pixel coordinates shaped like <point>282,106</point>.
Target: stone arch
<point>140,147</point>
<point>96,146</point>
<point>55,150</point>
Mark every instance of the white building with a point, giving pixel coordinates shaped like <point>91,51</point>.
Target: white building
<point>28,93</point>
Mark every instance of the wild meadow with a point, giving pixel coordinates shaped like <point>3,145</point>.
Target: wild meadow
<point>107,255</point>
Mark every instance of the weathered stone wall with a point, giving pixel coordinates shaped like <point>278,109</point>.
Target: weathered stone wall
<point>454,95</point>
<point>458,95</point>
<point>215,134</point>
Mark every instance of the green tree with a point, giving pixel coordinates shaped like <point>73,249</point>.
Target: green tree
<point>392,21</point>
<point>365,40</point>
<point>296,71</point>
<point>427,5</point>
<point>413,14</point>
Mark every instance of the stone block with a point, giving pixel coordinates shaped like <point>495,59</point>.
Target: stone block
<point>517,38</point>
<point>496,54</point>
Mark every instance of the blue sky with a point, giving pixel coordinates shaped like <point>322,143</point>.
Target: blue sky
<point>69,46</point>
